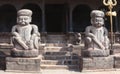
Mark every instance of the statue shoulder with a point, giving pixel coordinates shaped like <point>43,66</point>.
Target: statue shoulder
<point>34,26</point>
<point>89,27</point>
<point>15,26</point>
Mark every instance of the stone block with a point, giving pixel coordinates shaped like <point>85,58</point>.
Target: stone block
<point>77,50</point>
<point>117,61</point>
<point>95,53</point>
<point>24,53</point>
<point>98,63</point>
<point>23,64</point>
<point>116,48</point>
<point>2,63</point>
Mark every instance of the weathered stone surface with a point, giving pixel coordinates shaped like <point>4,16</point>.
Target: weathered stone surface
<point>24,53</point>
<point>98,63</point>
<point>60,62</point>
<point>116,48</point>
<point>23,64</point>
<point>25,36</point>
<point>117,62</point>
<point>58,57</point>
<point>77,50</point>
<point>2,63</point>
<point>96,35</point>
<point>95,53</point>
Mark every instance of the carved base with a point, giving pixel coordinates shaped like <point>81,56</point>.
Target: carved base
<point>23,64</point>
<point>117,61</point>
<point>98,63</point>
<point>24,53</point>
<point>95,53</point>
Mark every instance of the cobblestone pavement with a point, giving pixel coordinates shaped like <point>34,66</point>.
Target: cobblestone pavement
<point>65,72</point>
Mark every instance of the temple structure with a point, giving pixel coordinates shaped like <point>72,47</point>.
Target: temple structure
<point>67,15</point>
<point>61,24</point>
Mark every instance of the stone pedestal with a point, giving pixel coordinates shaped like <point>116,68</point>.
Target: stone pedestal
<point>117,61</point>
<point>95,63</point>
<point>97,60</point>
<point>95,53</point>
<point>116,48</point>
<point>24,53</point>
<point>23,64</point>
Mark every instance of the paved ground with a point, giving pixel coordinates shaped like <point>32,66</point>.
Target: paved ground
<point>65,72</point>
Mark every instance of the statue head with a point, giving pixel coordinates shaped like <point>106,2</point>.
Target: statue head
<point>97,18</point>
<point>24,17</point>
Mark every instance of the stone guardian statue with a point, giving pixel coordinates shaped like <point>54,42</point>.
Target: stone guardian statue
<point>96,34</point>
<point>25,35</point>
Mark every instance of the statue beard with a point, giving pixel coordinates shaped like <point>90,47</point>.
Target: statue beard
<point>98,25</point>
<point>23,23</point>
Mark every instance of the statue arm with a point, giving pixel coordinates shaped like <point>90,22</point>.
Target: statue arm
<point>88,33</point>
<point>105,32</point>
<point>13,29</point>
<point>35,32</point>
<point>14,32</point>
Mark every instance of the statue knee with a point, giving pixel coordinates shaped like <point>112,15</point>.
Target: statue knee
<point>88,40</point>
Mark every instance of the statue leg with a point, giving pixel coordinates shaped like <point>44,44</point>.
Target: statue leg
<point>88,42</point>
<point>31,46</point>
<point>100,45</point>
<point>20,42</point>
<point>36,42</point>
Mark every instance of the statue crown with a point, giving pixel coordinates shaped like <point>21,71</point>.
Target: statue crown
<point>24,12</point>
<point>97,13</point>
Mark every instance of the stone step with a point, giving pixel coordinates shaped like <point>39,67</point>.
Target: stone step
<point>60,62</point>
<point>54,53</point>
<point>56,48</point>
<point>60,67</point>
<point>56,36</point>
<point>55,41</point>
<point>59,57</point>
<point>116,48</point>
<point>56,44</point>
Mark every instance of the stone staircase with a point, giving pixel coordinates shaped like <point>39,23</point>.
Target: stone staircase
<point>57,55</point>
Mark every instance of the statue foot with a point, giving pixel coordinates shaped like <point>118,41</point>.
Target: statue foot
<point>24,53</point>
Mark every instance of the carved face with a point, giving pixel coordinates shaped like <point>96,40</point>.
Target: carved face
<point>23,20</point>
<point>97,22</point>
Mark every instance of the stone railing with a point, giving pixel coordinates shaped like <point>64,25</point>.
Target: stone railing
<point>5,40</point>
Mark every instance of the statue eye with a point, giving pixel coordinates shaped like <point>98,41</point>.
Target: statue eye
<point>25,18</point>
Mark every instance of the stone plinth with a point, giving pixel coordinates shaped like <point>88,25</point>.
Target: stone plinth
<point>24,53</point>
<point>98,63</point>
<point>23,64</point>
<point>95,53</point>
<point>117,61</point>
<point>116,48</point>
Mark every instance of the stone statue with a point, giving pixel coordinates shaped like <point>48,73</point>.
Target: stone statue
<point>96,34</point>
<point>77,38</point>
<point>25,35</point>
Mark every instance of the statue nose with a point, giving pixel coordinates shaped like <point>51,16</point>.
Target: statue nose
<point>23,20</point>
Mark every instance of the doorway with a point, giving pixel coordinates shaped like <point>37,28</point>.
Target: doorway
<point>55,15</point>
